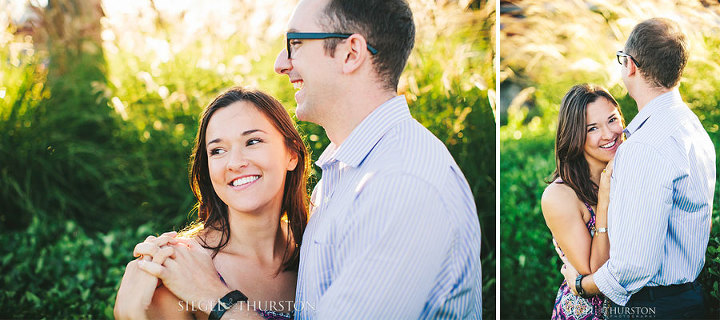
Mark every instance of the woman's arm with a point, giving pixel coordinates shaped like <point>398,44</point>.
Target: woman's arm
<point>165,305</point>
<point>563,215</point>
<point>600,251</point>
<point>135,294</point>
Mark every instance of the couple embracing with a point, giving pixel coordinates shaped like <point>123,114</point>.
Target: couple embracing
<point>390,230</point>
<point>629,207</point>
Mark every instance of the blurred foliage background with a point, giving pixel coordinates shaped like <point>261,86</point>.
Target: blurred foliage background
<point>99,103</point>
<point>546,48</point>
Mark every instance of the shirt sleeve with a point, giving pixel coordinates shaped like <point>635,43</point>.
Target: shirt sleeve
<point>394,249</point>
<point>640,206</point>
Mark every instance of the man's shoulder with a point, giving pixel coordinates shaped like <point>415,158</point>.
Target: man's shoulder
<point>670,122</point>
<point>411,148</point>
<point>671,134</point>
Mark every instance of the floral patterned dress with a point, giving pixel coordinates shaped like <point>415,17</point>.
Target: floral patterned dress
<point>571,307</point>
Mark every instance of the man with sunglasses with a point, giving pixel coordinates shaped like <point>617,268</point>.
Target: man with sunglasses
<point>394,232</point>
<point>661,192</point>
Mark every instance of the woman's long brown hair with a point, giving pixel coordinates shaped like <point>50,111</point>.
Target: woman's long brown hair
<point>570,163</point>
<point>213,212</point>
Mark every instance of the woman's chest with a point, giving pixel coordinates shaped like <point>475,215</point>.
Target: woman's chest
<point>259,284</point>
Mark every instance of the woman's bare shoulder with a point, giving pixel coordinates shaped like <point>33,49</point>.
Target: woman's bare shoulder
<point>207,237</point>
<point>557,191</point>
<point>559,198</point>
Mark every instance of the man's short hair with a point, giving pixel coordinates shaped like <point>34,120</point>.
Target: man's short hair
<point>387,25</point>
<point>660,49</point>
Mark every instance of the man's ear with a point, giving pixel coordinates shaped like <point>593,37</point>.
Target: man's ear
<point>355,53</point>
<point>632,68</point>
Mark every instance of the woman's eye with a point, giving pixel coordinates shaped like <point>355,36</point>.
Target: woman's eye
<point>253,141</point>
<point>216,151</point>
<point>591,129</point>
<point>295,42</point>
<point>613,120</point>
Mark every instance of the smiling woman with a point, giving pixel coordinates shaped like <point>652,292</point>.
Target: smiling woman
<point>249,170</point>
<point>237,129</point>
<point>576,201</point>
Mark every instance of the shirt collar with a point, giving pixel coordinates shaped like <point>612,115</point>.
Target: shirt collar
<point>656,105</point>
<point>366,135</point>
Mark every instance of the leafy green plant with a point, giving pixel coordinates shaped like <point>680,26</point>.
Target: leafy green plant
<point>57,270</point>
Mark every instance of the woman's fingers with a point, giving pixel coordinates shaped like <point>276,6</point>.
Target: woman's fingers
<point>152,244</point>
<point>559,251</point>
<point>152,268</point>
<point>171,234</point>
<point>145,249</point>
<point>193,244</point>
<point>163,240</point>
<point>162,254</point>
<point>564,259</point>
<point>609,168</point>
<point>181,249</point>
<point>180,241</point>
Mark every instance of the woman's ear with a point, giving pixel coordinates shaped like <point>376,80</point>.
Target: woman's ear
<point>292,164</point>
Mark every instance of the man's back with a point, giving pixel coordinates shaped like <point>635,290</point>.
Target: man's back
<point>664,181</point>
<point>395,232</point>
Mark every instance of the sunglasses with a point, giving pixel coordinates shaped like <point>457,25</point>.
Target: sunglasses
<point>314,36</point>
<point>625,56</point>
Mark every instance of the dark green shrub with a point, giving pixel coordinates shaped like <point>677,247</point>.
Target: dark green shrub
<point>55,269</point>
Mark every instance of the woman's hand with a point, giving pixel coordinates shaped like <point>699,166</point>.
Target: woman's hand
<point>135,293</point>
<point>605,177</point>
<point>189,274</point>
<point>158,249</point>
<point>137,286</point>
<point>604,194</point>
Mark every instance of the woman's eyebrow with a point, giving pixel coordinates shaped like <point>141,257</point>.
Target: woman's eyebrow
<point>245,133</point>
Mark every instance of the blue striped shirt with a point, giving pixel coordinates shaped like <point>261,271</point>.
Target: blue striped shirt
<point>661,201</point>
<point>394,233</point>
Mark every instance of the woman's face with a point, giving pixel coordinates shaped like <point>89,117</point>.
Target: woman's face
<point>604,132</point>
<point>247,159</point>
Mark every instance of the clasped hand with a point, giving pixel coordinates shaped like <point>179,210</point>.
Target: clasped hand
<point>183,266</point>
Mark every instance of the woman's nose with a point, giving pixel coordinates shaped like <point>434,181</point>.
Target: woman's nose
<point>237,161</point>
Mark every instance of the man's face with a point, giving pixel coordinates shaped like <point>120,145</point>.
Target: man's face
<point>310,69</point>
<point>625,64</point>
<point>623,70</point>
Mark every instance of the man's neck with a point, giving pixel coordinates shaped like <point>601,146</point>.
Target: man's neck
<point>354,110</point>
<point>646,94</point>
